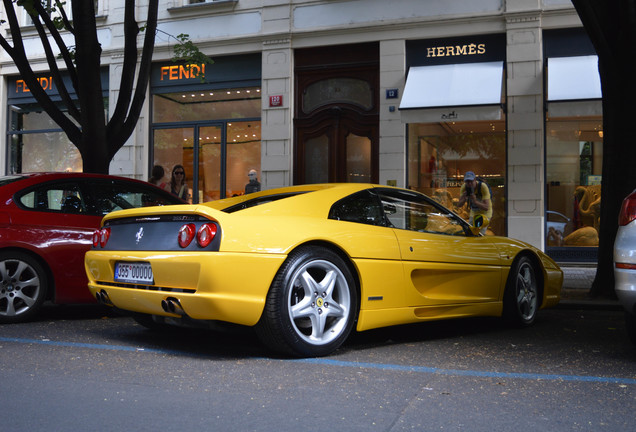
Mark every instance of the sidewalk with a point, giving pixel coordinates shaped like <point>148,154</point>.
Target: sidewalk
<point>577,282</point>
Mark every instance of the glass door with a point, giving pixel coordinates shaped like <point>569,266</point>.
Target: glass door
<point>217,157</point>
<point>196,148</point>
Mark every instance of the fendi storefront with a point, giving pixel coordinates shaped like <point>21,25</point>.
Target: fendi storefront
<point>453,105</point>
<point>35,141</point>
<point>210,126</point>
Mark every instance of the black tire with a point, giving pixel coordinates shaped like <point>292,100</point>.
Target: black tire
<point>630,325</point>
<point>311,306</point>
<point>23,287</point>
<point>521,298</point>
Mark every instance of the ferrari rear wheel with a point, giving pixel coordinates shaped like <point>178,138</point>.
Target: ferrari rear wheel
<point>23,286</point>
<point>521,300</point>
<point>311,306</point>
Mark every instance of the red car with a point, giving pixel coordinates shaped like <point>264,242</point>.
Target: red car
<point>47,222</point>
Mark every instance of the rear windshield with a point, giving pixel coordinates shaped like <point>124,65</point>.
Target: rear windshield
<point>259,201</point>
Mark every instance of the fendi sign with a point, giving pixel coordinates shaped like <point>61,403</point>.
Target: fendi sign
<point>181,72</point>
<point>45,82</point>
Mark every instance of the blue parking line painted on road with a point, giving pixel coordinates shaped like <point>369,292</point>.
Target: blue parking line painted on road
<point>470,373</point>
<point>350,364</point>
<point>88,345</point>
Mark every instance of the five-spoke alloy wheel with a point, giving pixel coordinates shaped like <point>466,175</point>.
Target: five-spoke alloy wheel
<point>312,304</point>
<point>23,286</point>
<point>521,298</point>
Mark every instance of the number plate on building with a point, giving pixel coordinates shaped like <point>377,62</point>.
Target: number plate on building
<point>134,273</point>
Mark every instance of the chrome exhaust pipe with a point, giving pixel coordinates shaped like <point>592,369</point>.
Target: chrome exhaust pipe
<point>164,306</point>
<point>173,306</point>
<point>102,298</point>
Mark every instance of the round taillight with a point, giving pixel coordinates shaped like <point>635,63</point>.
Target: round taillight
<point>104,235</point>
<point>186,234</point>
<point>206,234</point>
<point>96,236</point>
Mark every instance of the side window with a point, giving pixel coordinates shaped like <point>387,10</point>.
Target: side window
<point>108,197</point>
<point>65,198</point>
<point>415,212</point>
<point>362,207</point>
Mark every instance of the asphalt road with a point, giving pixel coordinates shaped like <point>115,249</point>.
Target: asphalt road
<point>84,369</point>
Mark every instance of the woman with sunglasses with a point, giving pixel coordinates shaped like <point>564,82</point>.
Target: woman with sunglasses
<point>178,185</point>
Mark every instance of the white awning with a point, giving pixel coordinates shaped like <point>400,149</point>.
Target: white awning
<point>572,78</point>
<point>453,85</point>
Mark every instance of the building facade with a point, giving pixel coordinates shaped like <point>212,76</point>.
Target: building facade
<point>411,93</point>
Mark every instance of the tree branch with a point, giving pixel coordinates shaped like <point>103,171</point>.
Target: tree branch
<point>50,57</point>
<point>144,73</point>
<point>131,30</point>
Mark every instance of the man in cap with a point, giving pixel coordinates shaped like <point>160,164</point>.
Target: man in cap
<point>254,185</point>
<point>477,194</point>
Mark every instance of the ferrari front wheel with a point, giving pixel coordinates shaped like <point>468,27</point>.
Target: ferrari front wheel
<point>311,306</point>
<point>521,298</point>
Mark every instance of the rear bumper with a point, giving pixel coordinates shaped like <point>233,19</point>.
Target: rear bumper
<point>220,286</point>
<point>625,286</point>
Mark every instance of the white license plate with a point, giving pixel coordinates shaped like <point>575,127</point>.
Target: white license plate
<point>133,273</point>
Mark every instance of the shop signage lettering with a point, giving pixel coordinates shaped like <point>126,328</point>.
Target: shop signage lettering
<point>450,116</point>
<point>456,50</point>
<point>180,72</point>
<point>45,82</point>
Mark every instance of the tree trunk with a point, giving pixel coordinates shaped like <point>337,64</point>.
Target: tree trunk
<point>95,155</point>
<point>611,26</point>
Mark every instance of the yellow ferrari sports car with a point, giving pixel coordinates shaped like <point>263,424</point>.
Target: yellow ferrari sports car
<point>305,265</point>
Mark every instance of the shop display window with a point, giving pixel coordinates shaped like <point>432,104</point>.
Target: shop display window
<point>214,134</point>
<point>574,160</point>
<point>36,143</point>
<point>439,154</point>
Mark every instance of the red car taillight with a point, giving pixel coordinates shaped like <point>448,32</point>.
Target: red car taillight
<point>186,234</point>
<point>628,210</point>
<point>206,234</point>
<point>100,237</point>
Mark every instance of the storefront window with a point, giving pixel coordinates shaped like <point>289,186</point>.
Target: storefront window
<point>36,143</point>
<point>441,153</point>
<point>574,158</point>
<point>214,134</point>
<point>243,155</point>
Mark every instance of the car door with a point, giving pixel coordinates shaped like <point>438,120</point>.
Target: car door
<point>444,264</point>
<point>57,223</point>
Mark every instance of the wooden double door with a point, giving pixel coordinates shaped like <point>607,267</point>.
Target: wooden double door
<point>336,118</point>
<point>337,146</point>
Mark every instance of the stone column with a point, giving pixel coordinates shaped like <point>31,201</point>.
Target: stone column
<point>526,145</point>
<point>392,130</point>
<point>276,121</point>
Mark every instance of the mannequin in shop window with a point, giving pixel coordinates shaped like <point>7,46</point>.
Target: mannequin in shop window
<point>254,185</point>
<point>178,185</point>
